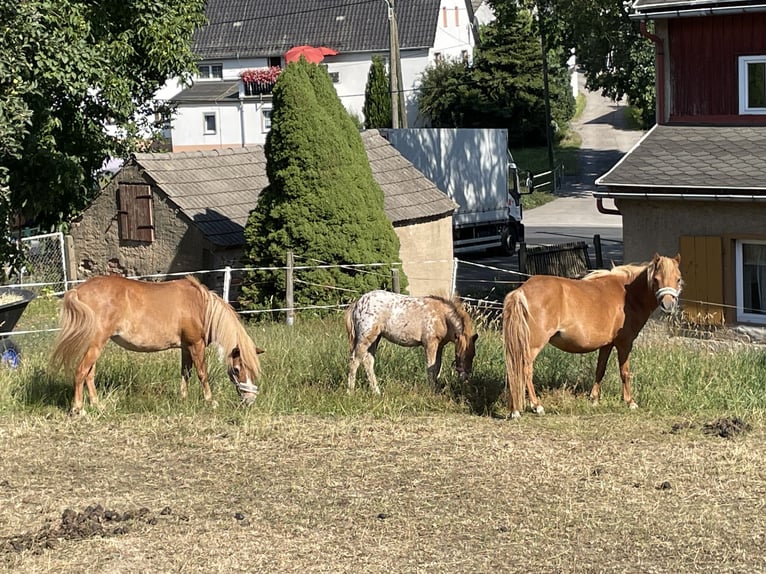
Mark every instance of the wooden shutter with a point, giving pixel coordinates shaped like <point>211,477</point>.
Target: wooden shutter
<point>136,215</point>
<point>702,269</point>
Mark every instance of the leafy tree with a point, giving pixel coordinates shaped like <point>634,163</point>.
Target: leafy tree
<point>377,96</point>
<point>503,88</point>
<point>68,68</point>
<point>610,49</point>
<point>322,202</point>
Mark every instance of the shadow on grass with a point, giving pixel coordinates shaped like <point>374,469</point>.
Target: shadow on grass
<point>41,389</point>
<point>480,394</point>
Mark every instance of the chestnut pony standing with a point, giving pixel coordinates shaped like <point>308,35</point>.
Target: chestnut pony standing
<point>604,310</point>
<point>146,317</point>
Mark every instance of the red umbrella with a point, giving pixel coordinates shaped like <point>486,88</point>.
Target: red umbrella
<point>313,54</point>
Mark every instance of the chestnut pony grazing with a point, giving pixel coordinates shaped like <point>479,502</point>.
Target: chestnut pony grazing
<point>603,310</point>
<point>430,322</point>
<point>146,317</point>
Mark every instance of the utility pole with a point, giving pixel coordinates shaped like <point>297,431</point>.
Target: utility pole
<point>398,112</point>
<point>546,94</point>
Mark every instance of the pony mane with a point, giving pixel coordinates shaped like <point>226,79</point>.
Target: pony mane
<point>629,271</point>
<point>456,314</point>
<point>222,326</point>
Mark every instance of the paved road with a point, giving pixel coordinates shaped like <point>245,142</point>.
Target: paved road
<point>573,215</point>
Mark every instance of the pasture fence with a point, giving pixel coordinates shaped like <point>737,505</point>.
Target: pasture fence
<point>44,263</point>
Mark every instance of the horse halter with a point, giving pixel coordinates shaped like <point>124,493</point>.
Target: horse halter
<point>662,292</point>
<point>242,387</point>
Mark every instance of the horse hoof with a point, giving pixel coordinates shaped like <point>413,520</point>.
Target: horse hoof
<point>540,410</point>
<point>632,405</point>
<point>594,402</point>
<point>213,405</point>
<point>515,415</point>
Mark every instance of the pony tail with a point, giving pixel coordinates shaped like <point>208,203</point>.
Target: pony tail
<point>78,328</point>
<point>516,343</point>
<point>350,328</point>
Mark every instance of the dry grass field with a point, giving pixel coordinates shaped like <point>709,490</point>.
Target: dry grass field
<point>447,493</point>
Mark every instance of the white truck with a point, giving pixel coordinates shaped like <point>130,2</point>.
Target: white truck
<point>474,167</point>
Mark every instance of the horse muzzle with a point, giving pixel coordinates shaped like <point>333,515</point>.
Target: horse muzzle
<point>667,299</point>
<point>248,392</point>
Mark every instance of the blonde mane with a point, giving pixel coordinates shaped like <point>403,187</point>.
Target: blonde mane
<point>222,327</point>
<point>629,271</point>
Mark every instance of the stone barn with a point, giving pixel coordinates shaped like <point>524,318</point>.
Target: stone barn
<point>182,212</point>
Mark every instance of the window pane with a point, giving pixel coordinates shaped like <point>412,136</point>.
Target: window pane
<point>210,123</point>
<point>756,85</point>
<point>217,71</point>
<point>754,278</point>
<point>204,71</point>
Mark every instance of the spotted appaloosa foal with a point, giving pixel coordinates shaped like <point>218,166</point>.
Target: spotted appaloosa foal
<point>429,321</point>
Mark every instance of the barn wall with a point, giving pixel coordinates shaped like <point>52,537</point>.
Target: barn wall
<point>177,247</point>
<point>670,227</point>
<point>703,61</point>
<point>426,254</point>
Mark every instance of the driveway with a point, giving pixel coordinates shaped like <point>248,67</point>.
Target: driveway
<point>573,216</point>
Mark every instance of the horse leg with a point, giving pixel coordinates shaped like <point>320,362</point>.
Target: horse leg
<point>368,361</point>
<point>197,352</point>
<point>529,368</point>
<point>434,363</point>
<point>86,374</point>
<point>603,357</point>
<point>186,367</point>
<point>623,357</point>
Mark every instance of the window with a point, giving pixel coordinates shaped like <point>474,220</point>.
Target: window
<point>751,281</point>
<point>211,71</point>
<point>209,124</point>
<point>136,216</point>
<point>266,112</point>
<point>752,85</point>
<point>275,61</point>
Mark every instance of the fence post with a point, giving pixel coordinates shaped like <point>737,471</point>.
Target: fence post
<point>597,249</point>
<point>395,279</point>
<point>453,288</point>
<point>226,282</point>
<point>289,297</point>
<point>523,257</point>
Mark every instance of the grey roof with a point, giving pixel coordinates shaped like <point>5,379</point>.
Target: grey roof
<point>707,158</point>
<point>665,7</point>
<point>217,189</point>
<point>212,91</point>
<point>257,28</point>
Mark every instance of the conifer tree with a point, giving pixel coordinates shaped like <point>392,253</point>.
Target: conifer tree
<point>322,202</point>
<point>377,96</point>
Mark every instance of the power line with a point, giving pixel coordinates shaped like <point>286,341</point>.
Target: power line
<point>294,13</point>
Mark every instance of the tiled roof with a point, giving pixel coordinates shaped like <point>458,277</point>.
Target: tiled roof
<point>213,91</point>
<point>704,158</point>
<point>217,189</point>
<point>649,6</point>
<point>250,28</point>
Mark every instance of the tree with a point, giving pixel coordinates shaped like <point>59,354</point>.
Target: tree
<point>503,88</point>
<point>610,49</point>
<point>377,96</point>
<point>322,202</point>
<point>70,67</point>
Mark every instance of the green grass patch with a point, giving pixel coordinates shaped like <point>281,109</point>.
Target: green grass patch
<point>633,118</point>
<point>305,369</point>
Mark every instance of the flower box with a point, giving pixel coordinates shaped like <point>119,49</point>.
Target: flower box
<point>260,80</point>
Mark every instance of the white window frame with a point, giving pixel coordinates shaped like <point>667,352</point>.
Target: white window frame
<point>266,119</point>
<point>205,126</point>
<point>744,109</point>
<point>742,314</point>
<point>208,72</point>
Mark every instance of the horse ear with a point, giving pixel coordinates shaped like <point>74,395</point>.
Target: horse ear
<point>678,258</point>
<point>656,257</point>
<point>259,351</point>
<point>235,353</point>
<point>475,336</point>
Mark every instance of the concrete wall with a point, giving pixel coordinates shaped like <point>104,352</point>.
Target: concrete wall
<point>426,254</point>
<point>98,249</point>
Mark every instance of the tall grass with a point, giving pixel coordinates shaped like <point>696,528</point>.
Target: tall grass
<point>305,368</point>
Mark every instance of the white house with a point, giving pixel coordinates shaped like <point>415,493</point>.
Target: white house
<point>217,111</point>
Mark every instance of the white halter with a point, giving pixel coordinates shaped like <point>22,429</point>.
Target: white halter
<point>662,291</point>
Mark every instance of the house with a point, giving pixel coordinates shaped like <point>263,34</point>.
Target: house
<point>221,110</point>
<point>186,211</point>
<point>696,182</point>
